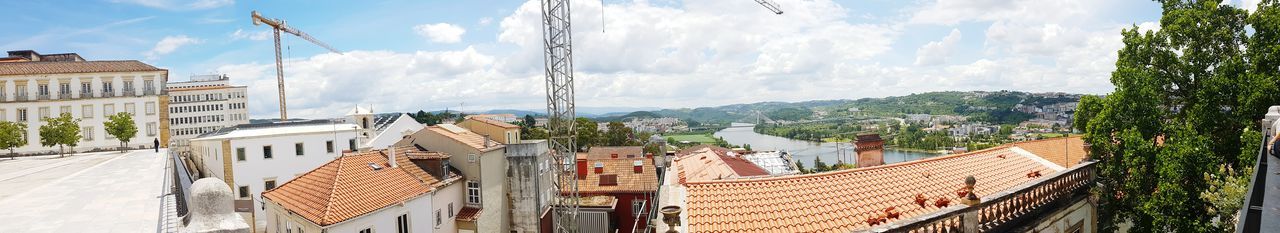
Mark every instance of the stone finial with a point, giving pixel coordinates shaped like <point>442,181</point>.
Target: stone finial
<point>970,198</point>
<point>212,209</point>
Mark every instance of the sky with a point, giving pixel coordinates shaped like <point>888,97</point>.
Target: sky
<point>403,56</point>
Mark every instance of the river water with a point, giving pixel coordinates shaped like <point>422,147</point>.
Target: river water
<point>806,151</point>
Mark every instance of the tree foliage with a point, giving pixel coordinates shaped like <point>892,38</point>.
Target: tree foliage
<point>122,127</point>
<point>1184,95</point>
<point>12,135</point>
<point>61,131</point>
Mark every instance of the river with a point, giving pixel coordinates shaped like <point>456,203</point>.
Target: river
<point>806,151</point>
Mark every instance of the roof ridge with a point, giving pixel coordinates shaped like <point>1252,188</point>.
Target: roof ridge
<point>326,214</point>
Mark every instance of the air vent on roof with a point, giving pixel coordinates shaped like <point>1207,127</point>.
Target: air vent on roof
<point>375,166</point>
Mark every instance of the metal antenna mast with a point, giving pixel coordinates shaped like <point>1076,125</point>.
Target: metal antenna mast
<point>277,26</point>
<point>558,55</point>
<point>558,58</point>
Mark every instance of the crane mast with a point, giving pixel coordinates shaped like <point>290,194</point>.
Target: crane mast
<point>277,26</point>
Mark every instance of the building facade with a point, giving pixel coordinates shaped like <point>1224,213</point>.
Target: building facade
<point>402,189</point>
<point>483,164</point>
<point>34,86</point>
<point>253,158</point>
<point>529,165</point>
<point>205,104</point>
<point>380,131</point>
<point>623,176</point>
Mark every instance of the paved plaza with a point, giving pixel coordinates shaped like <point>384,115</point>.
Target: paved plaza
<point>89,192</point>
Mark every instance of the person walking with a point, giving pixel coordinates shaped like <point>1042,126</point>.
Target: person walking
<point>157,145</point>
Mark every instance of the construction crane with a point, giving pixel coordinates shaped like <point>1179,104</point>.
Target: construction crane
<point>277,26</point>
<point>558,57</point>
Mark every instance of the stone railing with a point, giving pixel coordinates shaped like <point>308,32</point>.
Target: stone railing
<point>1001,212</point>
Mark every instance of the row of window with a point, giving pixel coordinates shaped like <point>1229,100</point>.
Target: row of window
<point>206,97</point>
<point>298,150</point>
<point>86,88</point>
<point>197,119</point>
<point>86,111</point>
<point>87,134</point>
<point>194,131</point>
<point>197,108</point>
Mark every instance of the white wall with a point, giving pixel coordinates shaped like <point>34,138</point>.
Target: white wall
<point>283,166</point>
<point>453,193</point>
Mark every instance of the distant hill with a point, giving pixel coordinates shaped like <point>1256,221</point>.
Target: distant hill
<point>519,113</point>
<point>627,116</point>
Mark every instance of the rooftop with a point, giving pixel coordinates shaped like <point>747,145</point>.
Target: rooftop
<point>608,152</point>
<point>619,176</point>
<point>72,67</point>
<point>465,136</point>
<point>276,128</point>
<point>708,164</point>
<point>490,121</point>
<point>844,200</point>
<point>355,184</point>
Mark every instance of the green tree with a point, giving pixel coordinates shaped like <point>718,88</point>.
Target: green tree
<point>588,133</point>
<point>819,166</point>
<point>12,136</point>
<point>534,133</point>
<point>529,121</point>
<point>122,127</point>
<point>617,134</point>
<point>61,131</point>
<point>1184,96</point>
<point>800,167</point>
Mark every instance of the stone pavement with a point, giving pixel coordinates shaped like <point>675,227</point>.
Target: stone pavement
<point>97,192</point>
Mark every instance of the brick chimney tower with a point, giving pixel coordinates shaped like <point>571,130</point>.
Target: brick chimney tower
<point>870,150</point>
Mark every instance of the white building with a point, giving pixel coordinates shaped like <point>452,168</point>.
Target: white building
<point>34,86</point>
<point>380,131</point>
<point>403,189</point>
<point>204,104</point>
<point>253,158</point>
<point>776,162</point>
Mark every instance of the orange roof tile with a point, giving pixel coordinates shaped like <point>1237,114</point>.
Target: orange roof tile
<point>349,186</point>
<point>468,214</point>
<point>627,180</point>
<point>692,149</point>
<point>66,67</point>
<point>607,152</point>
<point>707,164</point>
<point>467,137</point>
<point>841,201</point>
<point>485,119</point>
<point>1065,153</point>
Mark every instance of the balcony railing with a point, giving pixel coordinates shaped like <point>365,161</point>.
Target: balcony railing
<point>128,92</point>
<point>1002,212</point>
<point>149,92</point>
<point>20,97</point>
<point>42,97</point>
<point>1258,212</point>
<point>86,95</point>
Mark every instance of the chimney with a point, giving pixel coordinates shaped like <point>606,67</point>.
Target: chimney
<point>614,155</point>
<point>486,141</point>
<point>638,166</point>
<point>648,155</point>
<point>391,159</point>
<point>582,169</point>
<point>599,167</point>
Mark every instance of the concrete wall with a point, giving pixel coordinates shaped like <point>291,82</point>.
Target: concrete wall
<point>282,167</point>
<point>528,165</point>
<point>1081,214</point>
<point>502,135</point>
<point>488,168</point>
<point>76,104</point>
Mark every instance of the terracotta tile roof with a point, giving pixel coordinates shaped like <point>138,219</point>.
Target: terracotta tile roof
<point>1065,153</point>
<point>466,137</point>
<point>841,201</point>
<point>468,214</point>
<point>707,164</point>
<point>607,152</point>
<point>485,119</point>
<point>628,181</point>
<point>49,67</point>
<point>349,186</point>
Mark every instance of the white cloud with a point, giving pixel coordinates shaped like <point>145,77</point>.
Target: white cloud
<point>170,44</point>
<point>240,34</point>
<point>486,21</point>
<point>209,4</point>
<point>937,52</point>
<point>441,32</point>
<point>699,53</point>
<point>951,12</point>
